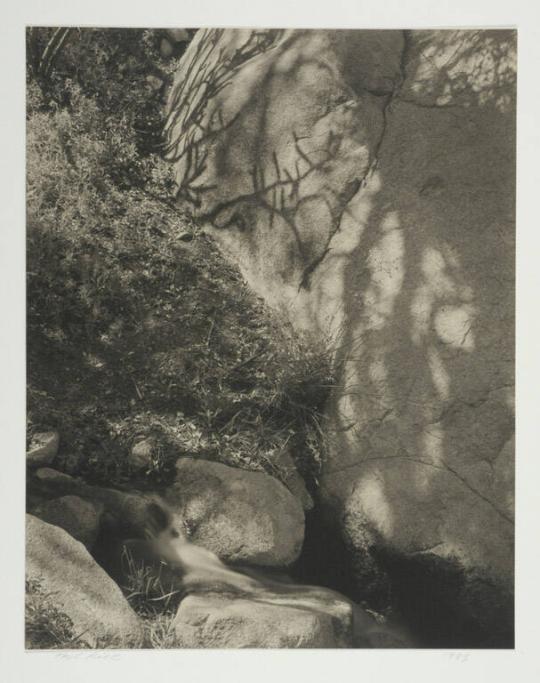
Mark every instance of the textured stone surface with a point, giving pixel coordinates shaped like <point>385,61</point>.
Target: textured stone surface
<point>220,621</point>
<point>79,517</point>
<point>43,449</point>
<point>142,454</point>
<point>78,587</point>
<point>243,517</point>
<point>365,182</point>
<point>50,475</point>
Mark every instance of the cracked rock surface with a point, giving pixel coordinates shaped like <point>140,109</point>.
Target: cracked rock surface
<point>364,181</point>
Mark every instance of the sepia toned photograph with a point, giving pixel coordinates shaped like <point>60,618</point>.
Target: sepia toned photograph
<point>270,338</point>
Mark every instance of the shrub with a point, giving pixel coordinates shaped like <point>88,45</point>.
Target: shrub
<point>137,326</point>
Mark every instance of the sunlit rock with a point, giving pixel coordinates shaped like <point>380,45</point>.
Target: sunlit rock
<point>242,516</point>
<point>222,621</point>
<point>78,588</point>
<point>364,182</point>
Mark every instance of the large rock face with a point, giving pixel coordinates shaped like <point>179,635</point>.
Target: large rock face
<point>243,517</point>
<point>78,588</point>
<point>364,180</point>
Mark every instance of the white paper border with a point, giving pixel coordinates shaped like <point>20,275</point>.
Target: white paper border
<point>523,664</point>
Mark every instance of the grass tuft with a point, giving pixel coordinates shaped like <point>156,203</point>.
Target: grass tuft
<point>46,627</point>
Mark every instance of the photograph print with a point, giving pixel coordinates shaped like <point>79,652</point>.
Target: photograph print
<point>270,338</point>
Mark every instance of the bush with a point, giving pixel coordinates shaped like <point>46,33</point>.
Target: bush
<point>137,326</point>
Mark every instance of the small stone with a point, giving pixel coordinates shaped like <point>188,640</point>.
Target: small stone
<point>49,474</point>
<point>185,236</point>
<point>154,82</point>
<point>178,35</point>
<point>79,517</point>
<point>141,454</point>
<point>166,48</point>
<point>292,479</point>
<point>43,449</point>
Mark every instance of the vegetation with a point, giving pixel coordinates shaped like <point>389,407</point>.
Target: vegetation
<point>45,626</point>
<point>147,590</point>
<point>137,326</point>
<point>154,599</point>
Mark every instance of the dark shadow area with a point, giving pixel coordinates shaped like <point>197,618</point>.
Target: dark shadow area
<point>435,599</point>
<point>432,599</point>
<point>206,134</point>
<point>325,559</point>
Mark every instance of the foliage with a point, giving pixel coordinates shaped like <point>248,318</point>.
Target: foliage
<point>154,597</point>
<point>45,626</point>
<point>137,326</point>
<point>115,68</point>
<point>159,632</point>
<point>146,589</point>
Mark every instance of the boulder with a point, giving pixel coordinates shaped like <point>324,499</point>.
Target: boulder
<point>50,475</point>
<point>242,516</point>
<point>43,449</point>
<point>78,588</point>
<point>365,182</point>
<point>45,483</point>
<point>126,512</point>
<point>221,621</point>
<point>79,517</point>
